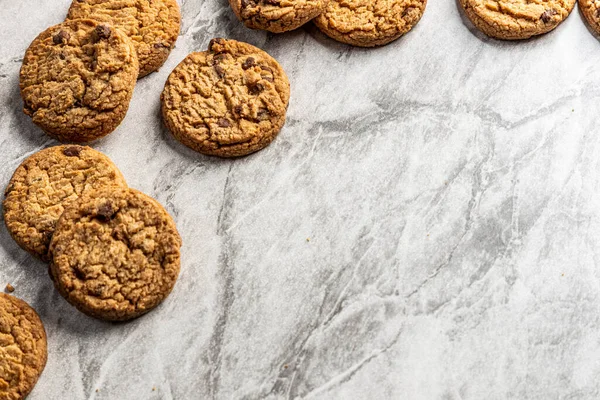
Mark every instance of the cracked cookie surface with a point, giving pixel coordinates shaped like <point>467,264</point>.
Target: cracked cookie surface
<point>516,19</point>
<point>45,183</point>
<point>591,11</point>
<point>77,79</point>
<point>23,348</point>
<point>115,254</point>
<point>368,23</point>
<point>152,25</point>
<point>277,15</point>
<point>228,101</point>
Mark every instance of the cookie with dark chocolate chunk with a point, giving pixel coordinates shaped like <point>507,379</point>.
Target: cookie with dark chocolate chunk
<point>77,79</point>
<point>228,101</point>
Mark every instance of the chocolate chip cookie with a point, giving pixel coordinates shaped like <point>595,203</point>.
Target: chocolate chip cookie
<point>516,19</point>
<point>277,15</point>
<point>228,101</point>
<point>23,348</point>
<point>152,25</point>
<point>115,254</point>
<point>368,23</point>
<point>591,11</point>
<point>45,183</point>
<point>77,79</point>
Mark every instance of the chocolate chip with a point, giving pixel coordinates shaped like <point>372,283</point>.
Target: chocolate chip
<point>263,114</point>
<point>61,37</point>
<point>224,123</point>
<point>105,212</point>
<point>547,15</point>
<point>79,274</point>
<point>219,58</point>
<point>9,189</point>
<point>256,88</point>
<point>160,46</point>
<point>62,56</point>
<point>272,2</point>
<point>72,151</point>
<point>219,70</point>
<point>407,10</point>
<point>249,63</point>
<point>214,45</point>
<point>248,3</point>
<point>102,32</point>
<point>238,110</point>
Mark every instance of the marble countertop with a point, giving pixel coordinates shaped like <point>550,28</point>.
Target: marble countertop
<point>426,225</point>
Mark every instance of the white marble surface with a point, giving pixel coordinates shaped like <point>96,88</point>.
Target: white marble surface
<point>449,185</point>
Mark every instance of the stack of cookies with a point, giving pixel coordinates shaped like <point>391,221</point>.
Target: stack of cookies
<point>78,77</point>
<point>364,23</point>
<point>113,251</point>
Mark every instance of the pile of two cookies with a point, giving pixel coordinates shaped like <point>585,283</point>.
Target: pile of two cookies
<point>78,77</point>
<point>114,252</point>
<point>364,23</point>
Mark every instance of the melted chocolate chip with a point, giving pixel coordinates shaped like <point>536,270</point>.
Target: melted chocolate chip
<point>214,45</point>
<point>263,114</point>
<point>72,151</point>
<point>248,3</point>
<point>272,2</point>
<point>102,32</point>
<point>224,123</point>
<point>547,15</point>
<point>160,46</point>
<point>248,63</point>
<point>105,212</point>
<point>219,70</point>
<point>238,110</point>
<point>62,56</point>
<point>256,88</point>
<point>219,58</point>
<point>61,37</point>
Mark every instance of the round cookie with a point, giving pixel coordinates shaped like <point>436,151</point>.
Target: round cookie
<point>23,348</point>
<point>115,254</point>
<point>45,183</point>
<point>516,19</point>
<point>368,23</point>
<point>77,79</point>
<point>277,15</point>
<point>152,25</point>
<point>228,101</point>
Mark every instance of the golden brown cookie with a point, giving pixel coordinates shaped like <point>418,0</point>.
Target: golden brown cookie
<point>369,23</point>
<point>516,19</point>
<point>228,101</point>
<point>23,348</point>
<point>77,79</point>
<point>591,11</point>
<point>277,15</point>
<point>115,254</point>
<point>152,25</point>
<point>45,183</point>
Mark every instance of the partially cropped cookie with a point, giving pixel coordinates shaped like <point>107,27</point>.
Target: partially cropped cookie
<point>45,183</point>
<point>516,19</point>
<point>228,101</point>
<point>115,254</point>
<point>591,11</point>
<point>23,348</point>
<point>77,79</point>
<point>277,15</point>
<point>152,25</point>
<point>368,23</point>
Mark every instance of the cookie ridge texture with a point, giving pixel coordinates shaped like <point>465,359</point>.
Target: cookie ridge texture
<point>367,23</point>
<point>228,101</point>
<point>152,25</point>
<point>516,19</point>
<point>45,183</point>
<point>77,79</point>
<point>277,15</point>
<point>23,348</point>
<point>115,254</point>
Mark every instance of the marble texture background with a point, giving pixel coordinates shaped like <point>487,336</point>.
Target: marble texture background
<point>426,226</point>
